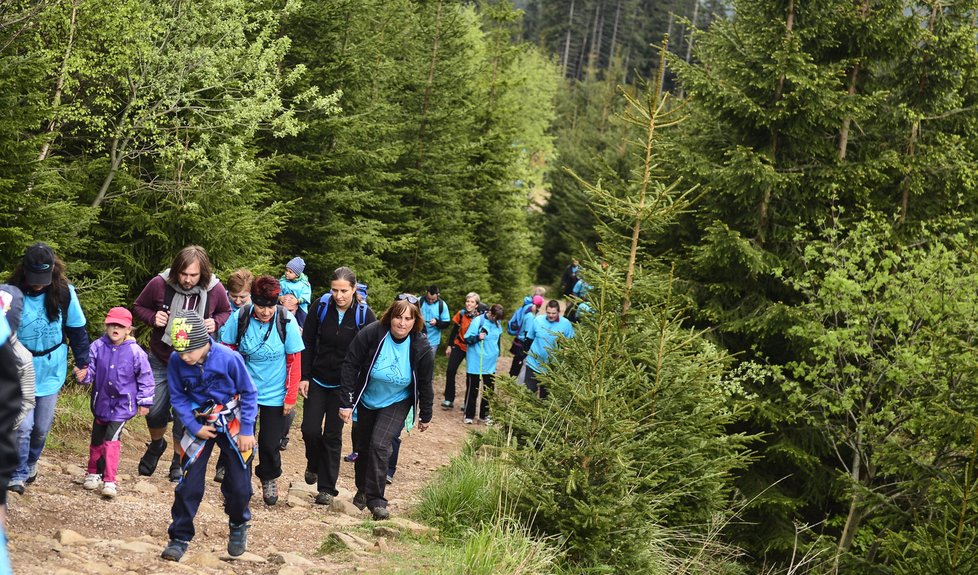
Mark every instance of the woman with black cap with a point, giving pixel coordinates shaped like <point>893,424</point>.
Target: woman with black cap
<point>51,318</point>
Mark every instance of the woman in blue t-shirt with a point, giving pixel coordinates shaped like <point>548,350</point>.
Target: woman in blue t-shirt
<point>387,370</point>
<point>51,318</point>
<point>482,337</point>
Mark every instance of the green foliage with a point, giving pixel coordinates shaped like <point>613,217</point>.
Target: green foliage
<point>463,496</point>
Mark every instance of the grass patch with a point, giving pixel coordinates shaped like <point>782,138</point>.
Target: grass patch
<point>465,494</point>
<point>73,418</point>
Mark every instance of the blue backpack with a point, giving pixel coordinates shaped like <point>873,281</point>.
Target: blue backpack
<point>516,322</point>
<point>361,312</point>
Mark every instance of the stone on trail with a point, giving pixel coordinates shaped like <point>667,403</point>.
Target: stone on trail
<point>412,527</point>
<point>246,557</point>
<point>347,541</point>
<point>300,486</point>
<point>385,531</point>
<point>69,537</point>
<point>343,506</point>
<point>64,571</point>
<point>298,500</point>
<point>99,568</point>
<point>291,570</point>
<point>74,470</point>
<point>285,558</point>
<point>145,488</point>
<point>141,547</point>
<point>202,560</point>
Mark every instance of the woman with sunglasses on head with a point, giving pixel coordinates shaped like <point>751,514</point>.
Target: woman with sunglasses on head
<point>388,370</point>
<point>332,323</point>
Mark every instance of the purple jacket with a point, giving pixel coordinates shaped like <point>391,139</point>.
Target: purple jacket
<point>123,379</point>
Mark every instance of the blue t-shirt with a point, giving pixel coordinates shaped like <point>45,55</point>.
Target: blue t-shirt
<point>480,358</point>
<point>544,334</point>
<point>437,311</point>
<point>390,378</point>
<point>39,334</point>
<point>265,356</point>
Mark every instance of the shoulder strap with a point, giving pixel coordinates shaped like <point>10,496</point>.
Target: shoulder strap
<point>244,316</point>
<point>168,293</point>
<point>361,317</point>
<point>323,306</point>
<point>281,320</point>
<point>441,307</point>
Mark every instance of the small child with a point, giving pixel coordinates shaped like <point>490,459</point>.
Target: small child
<point>296,290</point>
<point>216,400</point>
<point>123,388</point>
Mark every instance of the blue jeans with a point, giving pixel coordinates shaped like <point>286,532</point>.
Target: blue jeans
<point>33,433</point>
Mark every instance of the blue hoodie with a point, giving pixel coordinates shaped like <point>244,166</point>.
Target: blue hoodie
<point>222,376</point>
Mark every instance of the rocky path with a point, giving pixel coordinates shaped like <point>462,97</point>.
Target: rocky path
<point>59,528</point>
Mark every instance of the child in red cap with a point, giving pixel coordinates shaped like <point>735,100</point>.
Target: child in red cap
<point>123,387</point>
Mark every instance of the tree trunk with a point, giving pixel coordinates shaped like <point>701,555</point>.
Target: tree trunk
<point>614,33</point>
<point>764,206</point>
<point>594,58</point>
<point>427,89</point>
<point>853,76</point>
<point>570,26</point>
<point>116,153</point>
<point>854,517</point>
<point>59,86</point>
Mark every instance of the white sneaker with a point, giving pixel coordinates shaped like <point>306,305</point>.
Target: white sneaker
<point>467,421</point>
<point>488,421</point>
<point>108,490</point>
<point>92,481</point>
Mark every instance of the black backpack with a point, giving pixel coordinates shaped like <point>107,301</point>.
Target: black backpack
<point>244,317</point>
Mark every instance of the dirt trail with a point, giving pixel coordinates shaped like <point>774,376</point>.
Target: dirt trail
<point>126,535</point>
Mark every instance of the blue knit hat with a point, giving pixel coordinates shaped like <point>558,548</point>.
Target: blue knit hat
<point>297,265</point>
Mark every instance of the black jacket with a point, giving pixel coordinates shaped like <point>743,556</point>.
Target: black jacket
<point>360,360</point>
<point>10,399</point>
<point>326,343</point>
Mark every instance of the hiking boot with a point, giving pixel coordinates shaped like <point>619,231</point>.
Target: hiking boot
<point>109,490</point>
<point>447,404</point>
<point>284,444</point>
<point>324,498</point>
<point>360,501</point>
<point>380,513</point>
<point>174,550</point>
<point>467,421</point>
<point>176,470</point>
<point>16,486</point>
<point>311,477</point>
<point>269,492</point>
<point>92,481</point>
<point>238,539</point>
<point>31,473</point>
<point>351,457</point>
<point>219,474</point>
<point>150,459</point>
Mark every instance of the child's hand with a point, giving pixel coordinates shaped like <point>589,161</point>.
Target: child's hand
<point>208,432</point>
<point>246,443</point>
<point>142,410</point>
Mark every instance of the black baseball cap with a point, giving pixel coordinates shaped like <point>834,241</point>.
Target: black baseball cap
<point>38,264</point>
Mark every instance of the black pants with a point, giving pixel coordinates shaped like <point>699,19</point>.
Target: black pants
<point>472,391</point>
<point>271,424</point>
<point>533,383</point>
<point>322,432</point>
<point>376,430</point>
<point>519,355</point>
<point>454,360</point>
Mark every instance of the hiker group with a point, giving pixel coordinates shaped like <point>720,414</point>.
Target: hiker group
<point>223,364</point>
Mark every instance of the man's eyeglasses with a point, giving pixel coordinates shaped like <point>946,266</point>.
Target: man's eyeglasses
<point>413,300</point>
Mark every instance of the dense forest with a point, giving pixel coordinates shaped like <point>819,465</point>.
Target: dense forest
<point>774,201</point>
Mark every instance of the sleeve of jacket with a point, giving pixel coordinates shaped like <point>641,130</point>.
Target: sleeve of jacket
<point>93,351</point>
<point>145,384</point>
<point>247,393</point>
<point>426,393</point>
<point>456,325</point>
<point>181,404</point>
<point>222,306</point>
<point>356,358</point>
<point>146,306</point>
<point>310,334</point>
<point>10,399</point>
<point>292,361</point>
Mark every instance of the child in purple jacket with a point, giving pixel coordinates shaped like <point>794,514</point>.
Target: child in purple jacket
<point>123,388</point>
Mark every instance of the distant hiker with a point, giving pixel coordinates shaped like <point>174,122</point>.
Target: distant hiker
<point>434,310</point>
<point>482,339</point>
<point>542,338</point>
<point>569,277</point>
<point>518,325</point>
<point>217,403</point>
<point>388,370</point>
<point>122,387</point>
<point>267,337</point>
<point>239,288</point>
<point>9,407</point>
<point>296,290</point>
<point>51,317</point>
<point>333,322</point>
<point>12,306</point>
<point>457,347</point>
<point>187,285</point>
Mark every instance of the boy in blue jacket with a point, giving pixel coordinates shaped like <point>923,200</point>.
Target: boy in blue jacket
<point>214,397</point>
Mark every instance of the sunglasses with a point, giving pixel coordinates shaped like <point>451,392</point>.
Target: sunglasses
<point>413,300</point>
